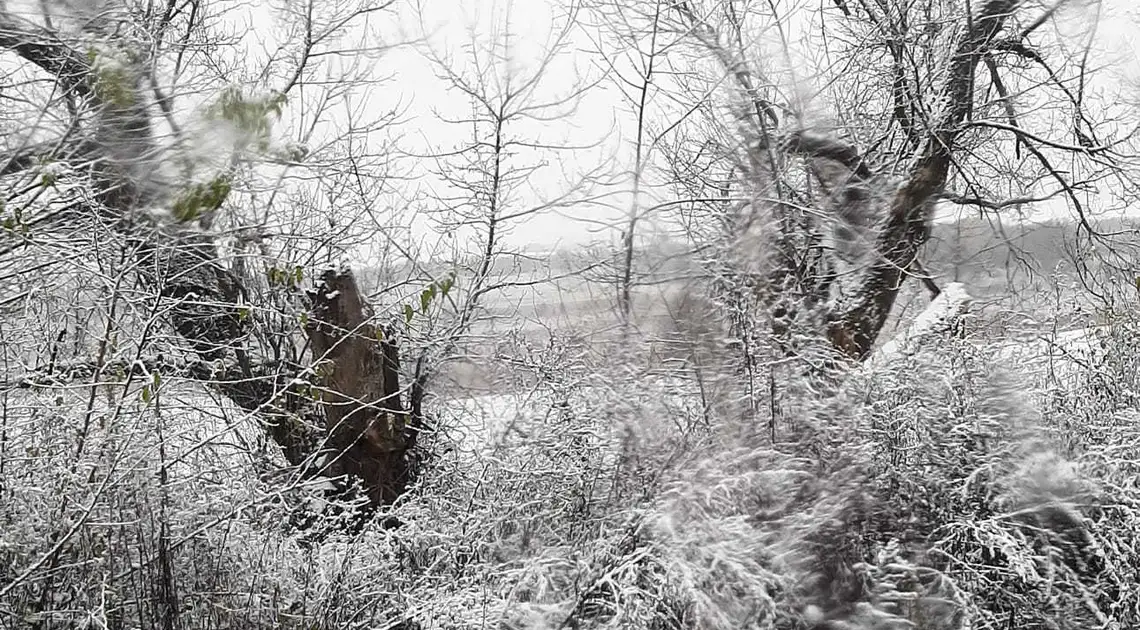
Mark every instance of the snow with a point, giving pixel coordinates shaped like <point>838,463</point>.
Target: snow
<point>1057,356</point>
<point>939,317</point>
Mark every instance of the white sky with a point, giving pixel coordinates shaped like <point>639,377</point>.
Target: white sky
<point>593,120</point>
<point>452,25</point>
<point>452,28</point>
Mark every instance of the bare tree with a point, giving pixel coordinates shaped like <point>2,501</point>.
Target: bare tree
<point>843,227</point>
<point>480,192</point>
<point>636,34</point>
<point>342,412</point>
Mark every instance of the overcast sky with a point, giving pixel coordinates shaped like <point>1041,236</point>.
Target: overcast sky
<point>451,27</point>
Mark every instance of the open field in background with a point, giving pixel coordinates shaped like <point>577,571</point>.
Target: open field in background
<point>1017,274</point>
<point>1026,323</point>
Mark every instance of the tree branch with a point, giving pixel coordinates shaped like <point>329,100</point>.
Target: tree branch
<point>46,50</point>
<point>1021,133</point>
<point>820,146</point>
<point>857,319</point>
<point>963,200</point>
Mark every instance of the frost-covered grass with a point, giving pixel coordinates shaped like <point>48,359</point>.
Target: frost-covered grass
<point>955,487</point>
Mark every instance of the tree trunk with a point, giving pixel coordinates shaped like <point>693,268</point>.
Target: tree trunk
<point>358,368</point>
<point>858,318</point>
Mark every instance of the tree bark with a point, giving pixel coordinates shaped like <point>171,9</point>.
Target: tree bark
<point>856,311</point>
<point>358,367</point>
<point>940,317</point>
<point>857,319</point>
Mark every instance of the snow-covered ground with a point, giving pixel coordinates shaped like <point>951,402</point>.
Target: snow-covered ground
<point>201,433</point>
<point>1043,358</point>
<point>1053,357</point>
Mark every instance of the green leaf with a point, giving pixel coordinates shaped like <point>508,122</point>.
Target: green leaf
<point>112,84</point>
<point>408,312</point>
<point>243,313</point>
<point>425,299</point>
<point>249,114</point>
<point>146,394</point>
<point>446,284</point>
<point>304,318</point>
<point>199,198</point>
<point>157,380</point>
<point>298,274</point>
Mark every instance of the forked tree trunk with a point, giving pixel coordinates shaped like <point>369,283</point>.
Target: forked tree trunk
<point>857,311</point>
<point>858,318</point>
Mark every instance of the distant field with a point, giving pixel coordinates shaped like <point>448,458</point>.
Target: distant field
<point>1010,268</point>
<point>1022,278</point>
